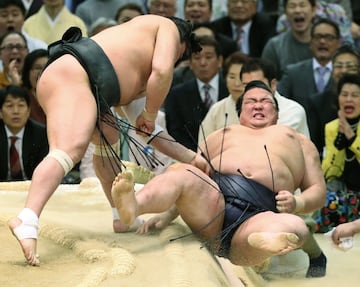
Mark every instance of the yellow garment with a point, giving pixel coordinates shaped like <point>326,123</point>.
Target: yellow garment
<point>40,27</point>
<point>334,160</point>
<point>4,81</point>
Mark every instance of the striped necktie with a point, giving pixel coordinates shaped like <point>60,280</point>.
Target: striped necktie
<point>208,100</point>
<point>239,37</point>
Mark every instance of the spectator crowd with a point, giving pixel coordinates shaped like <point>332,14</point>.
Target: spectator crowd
<point>306,51</point>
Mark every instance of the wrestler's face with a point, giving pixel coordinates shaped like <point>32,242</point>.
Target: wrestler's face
<point>11,19</point>
<point>258,109</point>
<point>15,112</point>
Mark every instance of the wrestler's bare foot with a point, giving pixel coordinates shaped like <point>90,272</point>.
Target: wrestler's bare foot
<point>276,243</point>
<point>123,195</point>
<point>28,245</point>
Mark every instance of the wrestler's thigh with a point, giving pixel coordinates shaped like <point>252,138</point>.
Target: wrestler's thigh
<point>70,110</point>
<point>201,202</point>
<point>271,222</point>
<point>263,222</point>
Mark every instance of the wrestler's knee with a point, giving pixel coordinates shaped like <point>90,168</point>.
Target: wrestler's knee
<point>176,166</point>
<point>107,150</point>
<point>301,228</point>
<point>63,158</point>
<point>179,167</point>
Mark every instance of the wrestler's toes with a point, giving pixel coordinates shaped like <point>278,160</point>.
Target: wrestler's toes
<point>33,260</point>
<point>293,239</point>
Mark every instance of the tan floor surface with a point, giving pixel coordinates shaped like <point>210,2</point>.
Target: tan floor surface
<point>78,249</point>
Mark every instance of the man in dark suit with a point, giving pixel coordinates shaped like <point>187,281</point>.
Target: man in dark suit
<point>187,104</point>
<point>31,143</point>
<point>306,81</point>
<point>249,28</point>
<point>183,72</point>
<point>199,12</point>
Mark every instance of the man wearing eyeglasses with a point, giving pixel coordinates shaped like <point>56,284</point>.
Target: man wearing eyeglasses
<point>306,80</point>
<point>249,28</point>
<point>13,50</point>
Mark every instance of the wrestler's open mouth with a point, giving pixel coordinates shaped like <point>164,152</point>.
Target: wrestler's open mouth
<point>10,28</point>
<point>258,115</point>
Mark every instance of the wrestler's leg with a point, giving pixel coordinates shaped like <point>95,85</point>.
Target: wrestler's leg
<point>267,234</point>
<point>71,115</point>
<point>107,166</point>
<point>194,194</point>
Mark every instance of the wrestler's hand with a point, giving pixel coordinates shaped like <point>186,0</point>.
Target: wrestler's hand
<point>285,201</point>
<point>158,221</point>
<point>344,230</point>
<point>144,125</point>
<point>201,163</point>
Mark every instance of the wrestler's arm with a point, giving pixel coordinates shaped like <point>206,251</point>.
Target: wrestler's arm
<point>163,142</point>
<point>166,144</point>
<point>313,185</point>
<point>166,53</point>
<point>159,221</point>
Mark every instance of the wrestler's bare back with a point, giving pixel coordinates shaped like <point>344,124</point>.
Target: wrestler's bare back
<point>143,53</point>
<point>138,47</point>
<point>258,153</point>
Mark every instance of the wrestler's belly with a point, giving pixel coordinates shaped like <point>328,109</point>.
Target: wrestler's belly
<point>275,177</point>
